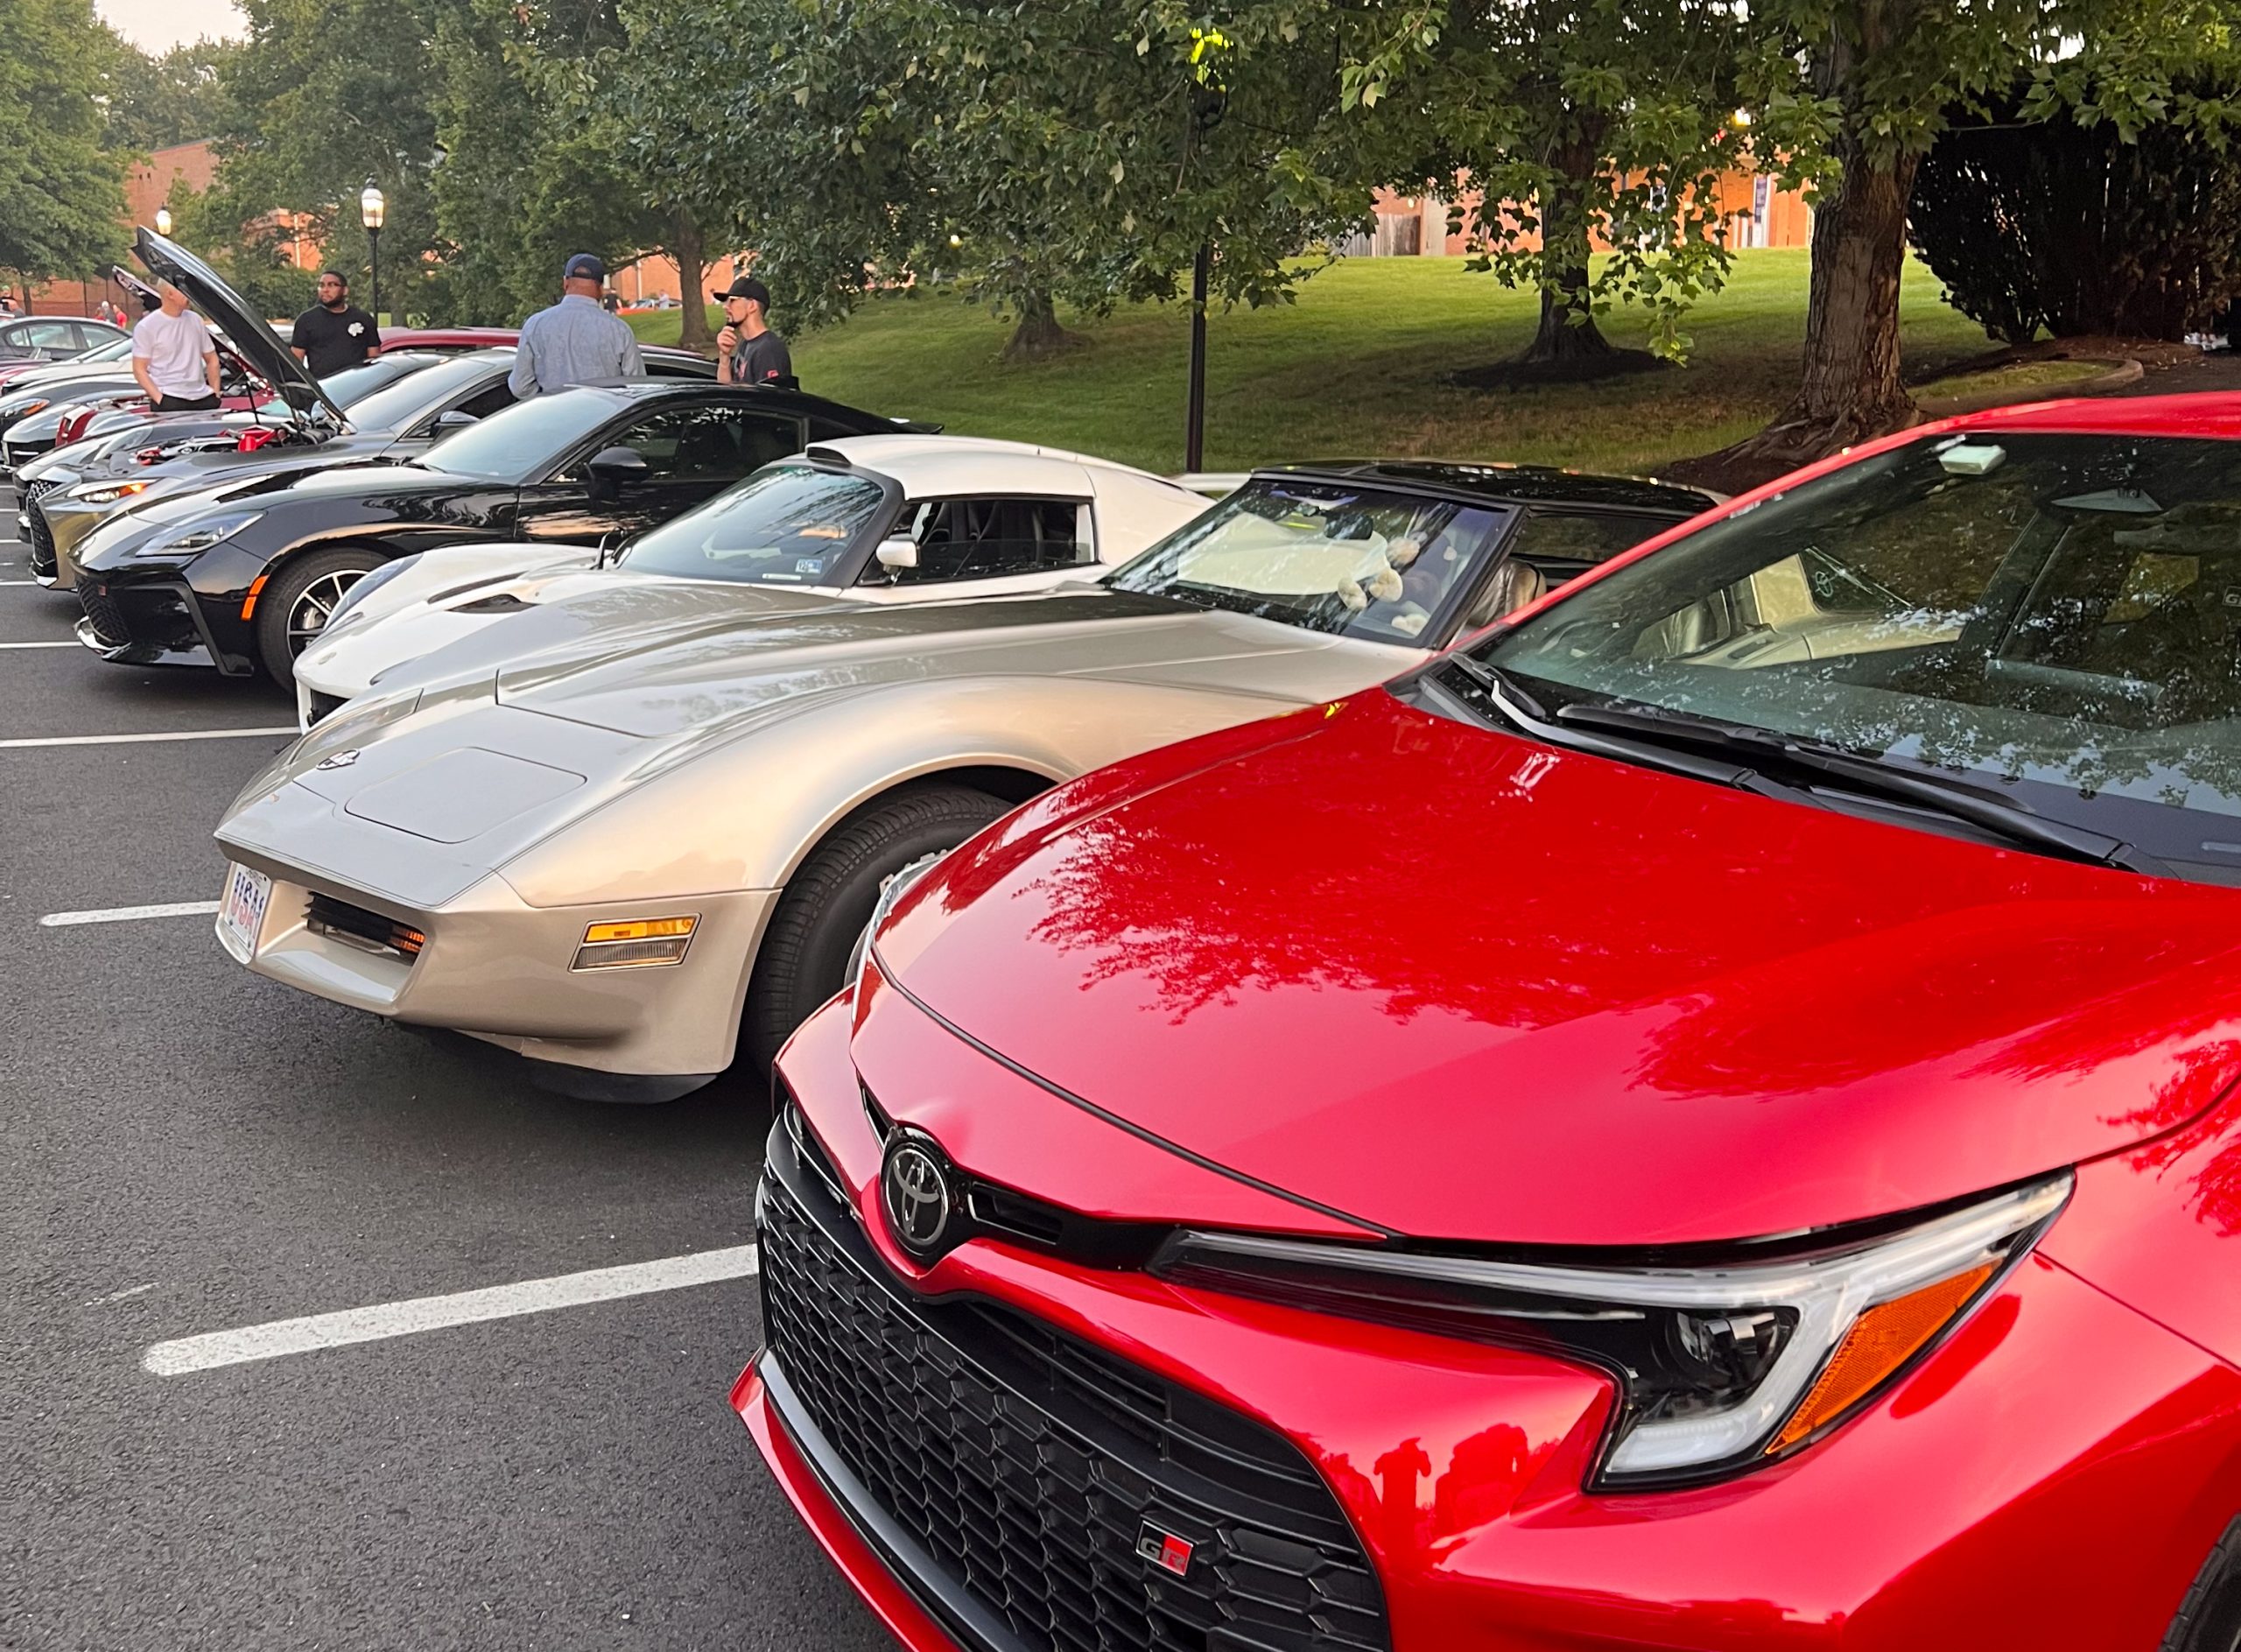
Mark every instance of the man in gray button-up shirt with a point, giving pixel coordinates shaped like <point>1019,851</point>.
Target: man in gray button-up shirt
<point>575,341</point>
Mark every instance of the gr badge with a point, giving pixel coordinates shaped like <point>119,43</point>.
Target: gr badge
<point>1164,1550</point>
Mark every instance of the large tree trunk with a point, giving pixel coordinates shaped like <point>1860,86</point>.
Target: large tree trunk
<point>1038,334</point>
<point>1568,332</point>
<point>692,272</point>
<point>1850,389</point>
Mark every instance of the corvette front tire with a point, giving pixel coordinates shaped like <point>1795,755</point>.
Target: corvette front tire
<point>813,934</point>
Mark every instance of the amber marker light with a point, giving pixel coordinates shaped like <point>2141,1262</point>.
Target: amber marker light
<point>1881,1340</point>
<point>248,602</point>
<point>635,943</point>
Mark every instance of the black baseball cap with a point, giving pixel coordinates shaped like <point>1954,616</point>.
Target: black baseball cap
<point>745,287</point>
<point>585,266</point>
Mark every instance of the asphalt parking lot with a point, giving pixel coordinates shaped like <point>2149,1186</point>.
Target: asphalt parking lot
<point>190,1151</point>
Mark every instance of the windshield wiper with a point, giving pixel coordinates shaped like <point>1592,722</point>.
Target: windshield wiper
<point>1957,798</point>
<point>1496,684</point>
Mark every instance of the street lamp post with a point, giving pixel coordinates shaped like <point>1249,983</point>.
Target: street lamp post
<point>163,220</point>
<point>371,207</point>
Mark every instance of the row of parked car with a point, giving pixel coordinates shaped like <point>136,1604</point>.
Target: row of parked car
<point>1330,1094</point>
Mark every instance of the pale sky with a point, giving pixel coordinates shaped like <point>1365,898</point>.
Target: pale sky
<point>158,25</point>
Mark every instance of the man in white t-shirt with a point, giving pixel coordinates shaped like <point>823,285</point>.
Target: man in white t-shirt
<point>173,357</point>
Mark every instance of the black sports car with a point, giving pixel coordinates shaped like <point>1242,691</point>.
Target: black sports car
<point>242,577</point>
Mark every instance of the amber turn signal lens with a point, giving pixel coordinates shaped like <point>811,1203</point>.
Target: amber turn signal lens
<point>1881,1340</point>
<point>643,928</point>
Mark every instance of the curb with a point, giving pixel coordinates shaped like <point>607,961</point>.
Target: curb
<point>2120,373</point>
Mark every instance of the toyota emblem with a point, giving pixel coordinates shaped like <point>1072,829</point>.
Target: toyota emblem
<point>915,1192</point>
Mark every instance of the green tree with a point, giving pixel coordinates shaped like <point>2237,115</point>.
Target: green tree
<point>1052,152</point>
<point>1573,123</point>
<point>534,169</point>
<point>177,97</point>
<point>61,188</point>
<point>1882,77</point>
<point>324,95</point>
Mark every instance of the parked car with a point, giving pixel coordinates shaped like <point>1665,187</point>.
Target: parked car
<point>244,576</point>
<point>34,418</point>
<point>402,349</point>
<point>52,338</point>
<point>868,518</point>
<point>69,493</point>
<point>599,785</point>
<point>20,368</point>
<point>1706,1118</point>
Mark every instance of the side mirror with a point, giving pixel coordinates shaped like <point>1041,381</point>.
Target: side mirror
<point>898,553</point>
<point>618,466</point>
<point>457,419</point>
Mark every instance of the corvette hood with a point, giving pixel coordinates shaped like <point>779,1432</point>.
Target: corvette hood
<point>659,658</point>
<point>1473,988</point>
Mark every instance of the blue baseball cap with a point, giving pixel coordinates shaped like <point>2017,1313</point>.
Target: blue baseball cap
<point>585,266</point>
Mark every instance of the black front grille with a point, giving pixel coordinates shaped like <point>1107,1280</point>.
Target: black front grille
<point>322,706</point>
<point>108,625</point>
<point>1028,1469</point>
<point>42,536</point>
<point>374,930</point>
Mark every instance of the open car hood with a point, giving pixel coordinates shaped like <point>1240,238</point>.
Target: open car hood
<point>256,343</point>
<point>1478,990</point>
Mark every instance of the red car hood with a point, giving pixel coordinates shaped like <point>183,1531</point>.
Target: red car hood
<point>1465,987</point>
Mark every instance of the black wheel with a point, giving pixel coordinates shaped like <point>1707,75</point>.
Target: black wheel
<point>2209,1618</point>
<point>293,607</point>
<point>805,952</point>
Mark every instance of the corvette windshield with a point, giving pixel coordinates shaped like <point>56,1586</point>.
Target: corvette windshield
<point>519,441</point>
<point>1360,561</point>
<point>2054,617</point>
<point>350,386</point>
<point>786,525</point>
<point>394,406</point>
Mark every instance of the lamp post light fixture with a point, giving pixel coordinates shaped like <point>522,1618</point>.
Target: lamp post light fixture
<point>371,209</point>
<point>163,220</point>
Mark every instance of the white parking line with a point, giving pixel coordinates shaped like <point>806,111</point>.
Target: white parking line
<point>67,641</point>
<point>134,740</point>
<point>128,914</point>
<point>375,1323</point>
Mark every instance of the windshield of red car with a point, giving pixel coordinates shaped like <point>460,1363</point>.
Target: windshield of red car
<point>2058,613</point>
<point>1361,561</point>
<point>789,523</point>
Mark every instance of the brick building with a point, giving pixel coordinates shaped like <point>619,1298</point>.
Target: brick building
<point>146,188</point>
<point>1754,211</point>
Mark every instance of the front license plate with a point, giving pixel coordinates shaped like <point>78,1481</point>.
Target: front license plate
<point>240,915</point>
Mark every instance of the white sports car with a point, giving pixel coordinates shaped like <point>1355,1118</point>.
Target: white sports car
<point>901,518</point>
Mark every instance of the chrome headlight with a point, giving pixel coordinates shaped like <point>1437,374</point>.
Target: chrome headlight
<point>198,536</point>
<point>1718,1368</point>
<point>106,493</point>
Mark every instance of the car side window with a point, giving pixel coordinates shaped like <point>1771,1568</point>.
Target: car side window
<point>704,441</point>
<point>986,538</point>
<point>15,343</point>
<point>52,339</point>
<point>484,403</point>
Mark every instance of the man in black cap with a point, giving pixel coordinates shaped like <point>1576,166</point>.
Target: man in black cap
<point>574,341</point>
<point>334,333</point>
<point>748,352</point>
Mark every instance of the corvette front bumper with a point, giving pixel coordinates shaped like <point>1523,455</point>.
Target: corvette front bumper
<point>496,968</point>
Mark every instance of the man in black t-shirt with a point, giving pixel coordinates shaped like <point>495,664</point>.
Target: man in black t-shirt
<point>334,333</point>
<point>748,352</point>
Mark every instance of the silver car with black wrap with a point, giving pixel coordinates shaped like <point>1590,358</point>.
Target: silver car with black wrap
<point>628,832</point>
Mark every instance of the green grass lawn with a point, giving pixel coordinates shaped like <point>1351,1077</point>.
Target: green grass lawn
<point>1357,367</point>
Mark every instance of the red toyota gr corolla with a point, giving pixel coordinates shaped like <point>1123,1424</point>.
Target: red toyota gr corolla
<point>1701,1120</point>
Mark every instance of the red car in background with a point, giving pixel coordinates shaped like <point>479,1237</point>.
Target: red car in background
<point>1701,1118</point>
